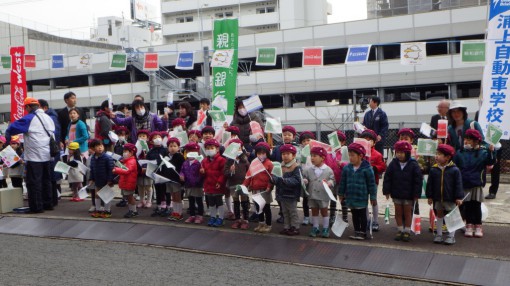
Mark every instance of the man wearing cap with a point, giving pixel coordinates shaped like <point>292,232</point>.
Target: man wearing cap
<point>442,113</point>
<point>377,120</point>
<point>37,154</point>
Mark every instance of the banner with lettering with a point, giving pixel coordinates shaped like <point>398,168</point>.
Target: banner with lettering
<point>151,62</point>
<point>18,82</point>
<point>185,61</point>
<point>225,37</point>
<point>57,62</point>
<point>312,57</point>
<point>357,54</point>
<point>119,62</point>
<point>30,62</point>
<point>496,73</point>
<point>6,62</point>
<point>266,57</point>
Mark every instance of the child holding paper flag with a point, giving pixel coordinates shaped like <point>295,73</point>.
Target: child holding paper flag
<point>74,178</point>
<point>214,181</point>
<point>315,177</point>
<point>193,182</point>
<point>304,140</point>
<point>334,161</point>
<point>173,188</point>
<point>16,169</point>
<point>288,189</point>
<point>155,154</point>
<point>444,189</point>
<point>127,181</point>
<point>258,181</point>
<point>101,167</point>
<point>235,172</point>
<point>403,181</point>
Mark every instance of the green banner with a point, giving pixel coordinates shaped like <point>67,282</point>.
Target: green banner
<point>473,51</point>
<point>119,62</point>
<point>6,62</point>
<point>266,57</point>
<point>225,37</point>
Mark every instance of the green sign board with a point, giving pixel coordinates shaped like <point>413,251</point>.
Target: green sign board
<point>473,51</point>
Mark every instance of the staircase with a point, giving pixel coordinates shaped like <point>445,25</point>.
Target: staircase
<point>180,86</point>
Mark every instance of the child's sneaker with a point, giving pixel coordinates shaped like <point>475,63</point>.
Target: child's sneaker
<point>450,240</point>
<point>199,219</point>
<point>280,219</point>
<point>306,221</point>
<point>148,205</point>
<point>92,209</point>
<point>478,231</point>
<point>314,232</point>
<point>211,221</point>
<point>332,219</point>
<point>254,217</point>
<point>96,214</point>
<point>230,216</point>
<point>140,205</point>
<point>131,214</point>
<point>361,236</point>
<point>469,230</point>
<point>236,224</point>
<point>284,231</point>
<point>191,219</point>
<point>265,228</point>
<point>106,214</point>
<point>438,239</point>
<point>156,212</point>
<point>406,237</point>
<point>178,217</point>
<point>293,231</point>
<point>218,222</point>
<point>325,232</point>
<point>398,236</point>
<point>259,227</point>
<point>163,205</point>
<point>244,225</point>
<point>375,226</point>
<point>122,203</point>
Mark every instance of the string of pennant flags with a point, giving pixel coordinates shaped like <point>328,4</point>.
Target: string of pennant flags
<point>412,53</point>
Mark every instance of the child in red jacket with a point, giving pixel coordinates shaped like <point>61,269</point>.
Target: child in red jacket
<point>377,163</point>
<point>128,178</point>
<point>214,181</point>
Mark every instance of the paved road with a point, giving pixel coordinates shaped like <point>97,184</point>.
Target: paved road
<point>41,261</point>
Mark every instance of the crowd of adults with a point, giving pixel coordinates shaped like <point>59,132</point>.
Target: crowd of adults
<point>41,122</point>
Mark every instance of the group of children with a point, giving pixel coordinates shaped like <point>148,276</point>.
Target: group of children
<point>199,170</point>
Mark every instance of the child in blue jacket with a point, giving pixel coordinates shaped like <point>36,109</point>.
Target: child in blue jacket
<point>101,174</point>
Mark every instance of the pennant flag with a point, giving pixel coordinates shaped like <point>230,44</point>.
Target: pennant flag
<point>185,61</point>
<point>57,62</point>
<point>224,77</point>
<point>255,167</point>
<point>231,151</point>
<point>222,58</point>
<point>357,54</point>
<point>387,214</point>
<point>442,128</point>
<point>30,62</point>
<point>366,144</point>
<point>266,57</point>
<point>315,143</point>
<point>151,62</point>
<point>413,53</point>
<point>312,57</point>
<point>218,116</point>
<point>426,147</point>
<point>119,62</point>
<point>273,125</point>
<point>493,134</point>
<point>6,62</point>
<point>334,141</point>
<point>256,128</point>
<point>252,103</point>
<point>472,52</point>
<point>495,109</point>
<point>85,61</point>
<point>18,82</point>
<point>277,169</point>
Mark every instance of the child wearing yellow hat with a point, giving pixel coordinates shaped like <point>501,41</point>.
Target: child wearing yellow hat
<point>75,177</point>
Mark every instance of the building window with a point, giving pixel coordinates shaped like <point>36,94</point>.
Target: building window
<point>224,14</point>
<point>184,19</point>
<point>265,10</point>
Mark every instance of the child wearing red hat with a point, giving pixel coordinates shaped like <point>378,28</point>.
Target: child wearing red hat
<point>403,181</point>
<point>173,188</point>
<point>156,152</point>
<point>193,182</point>
<point>357,186</point>
<point>214,181</point>
<point>127,180</point>
<point>334,161</point>
<point>304,140</point>
<point>444,189</point>
<point>472,162</point>
<point>235,172</point>
<point>318,199</point>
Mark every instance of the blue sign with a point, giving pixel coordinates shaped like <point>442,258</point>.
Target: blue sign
<point>185,61</point>
<point>357,54</point>
<point>57,61</point>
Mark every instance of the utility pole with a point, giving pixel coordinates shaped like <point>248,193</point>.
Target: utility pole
<point>206,72</point>
<point>152,88</point>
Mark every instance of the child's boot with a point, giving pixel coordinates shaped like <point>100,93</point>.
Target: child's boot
<point>478,231</point>
<point>469,230</point>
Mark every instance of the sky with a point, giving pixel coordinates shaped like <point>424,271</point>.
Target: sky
<point>78,16</point>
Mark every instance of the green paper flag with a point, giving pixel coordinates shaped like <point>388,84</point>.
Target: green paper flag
<point>6,62</point>
<point>273,125</point>
<point>225,37</point>
<point>119,62</point>
<point>231,151</point>
<point>426,147</point>
<point>494,133</point>
<point>334,141</point>
<point>305,153</point>
<point>217,116</point>
<point>277,169</point>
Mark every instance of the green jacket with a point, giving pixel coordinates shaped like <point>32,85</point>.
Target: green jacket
<point>357,187</point>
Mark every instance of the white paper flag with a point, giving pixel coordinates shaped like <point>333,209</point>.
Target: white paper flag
<point>106,194</point>
<point>62,167</point>
<point>259,200</point>
<point>328,191</point>
<point>82,193</point>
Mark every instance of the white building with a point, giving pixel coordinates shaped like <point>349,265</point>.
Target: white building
<point>191,20</point>
<point>122,32</point>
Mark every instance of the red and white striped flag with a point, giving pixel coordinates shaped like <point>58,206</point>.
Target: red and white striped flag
<point>255,167</point>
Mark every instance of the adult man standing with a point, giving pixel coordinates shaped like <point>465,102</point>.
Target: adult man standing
<point>37,154</point>
<point>63,114</point>
<point>442,112</point>
<point>376,120</point>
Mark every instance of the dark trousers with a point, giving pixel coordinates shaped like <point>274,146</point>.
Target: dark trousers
<point>379,146</point>
<point>473,212</point>
<point>496,170</point>
<point>198,208</point>
<point>359,219</point>
<point>3,183</point>
<point>38,183</point>
<point>237,209</point>
<point>306,208</point>
<point>54,194</point>
<point>265,215</point>
<point>17,182</point>
<point>160,193</point>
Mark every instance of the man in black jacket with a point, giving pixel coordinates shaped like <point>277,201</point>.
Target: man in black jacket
<point>442,110</point>
<point>377,120</point>
<point>63,114</point>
